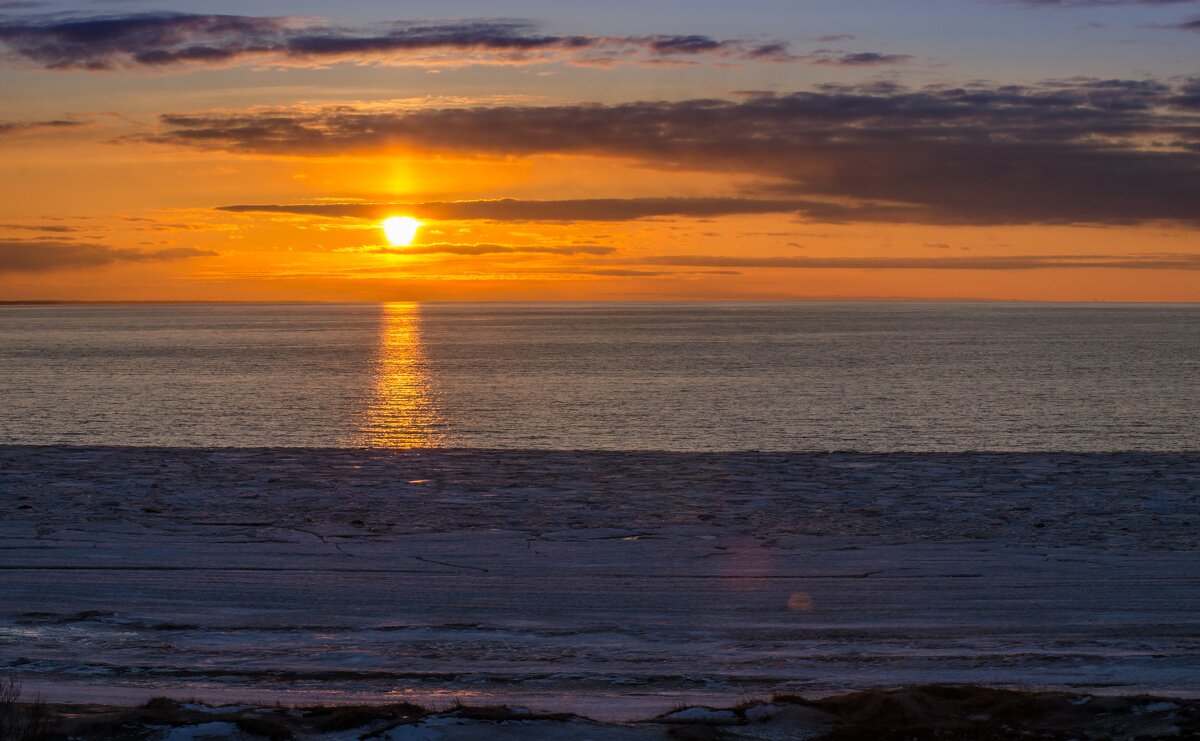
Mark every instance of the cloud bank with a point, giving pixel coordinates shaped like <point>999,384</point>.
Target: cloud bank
<point>1017,262</point>
<point>12,127</point>
<point>171,40</point>
<point>1078,151</point>
<point>20,256</point>
<point>509,209</point>
<point>447,248</point>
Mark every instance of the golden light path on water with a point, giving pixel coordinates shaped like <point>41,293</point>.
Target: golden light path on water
<point>404,411</point>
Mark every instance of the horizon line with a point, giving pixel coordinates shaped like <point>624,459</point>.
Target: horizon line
<point>863,300</point>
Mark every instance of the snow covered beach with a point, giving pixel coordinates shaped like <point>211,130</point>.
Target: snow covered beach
<point>616,585</point>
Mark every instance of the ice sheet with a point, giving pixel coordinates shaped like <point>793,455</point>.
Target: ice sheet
<point>612,584</point>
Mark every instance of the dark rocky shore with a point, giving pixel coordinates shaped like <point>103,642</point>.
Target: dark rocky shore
<point>922,712</point>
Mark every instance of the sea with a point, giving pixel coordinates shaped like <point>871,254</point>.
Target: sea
<point>871,377</point>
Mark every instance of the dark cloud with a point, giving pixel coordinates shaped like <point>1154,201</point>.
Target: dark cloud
<point>105,42</point>
<point>1094,3</point>
<point>521,272</point>
<point>631,273</point>
<point>164,40</point>
<point>51,228</point>
<point>1074,151</point>
<point>1016,262</point>
<point>443,248</point>
<point>9,127</point>
<point>1188,96</point>
<point>18,256</point>
<point>508,209</point>
<point>859,59</point>
<point>626,273</point>
<point>1192,24</point>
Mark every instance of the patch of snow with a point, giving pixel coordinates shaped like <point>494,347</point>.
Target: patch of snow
<point>700,713</point>
<point>218,730</point>
<point>1156,707</point>
<point>760,713</point>
<point>414,732</point>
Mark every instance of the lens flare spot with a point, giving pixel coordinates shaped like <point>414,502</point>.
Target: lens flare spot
<point>800,602</point>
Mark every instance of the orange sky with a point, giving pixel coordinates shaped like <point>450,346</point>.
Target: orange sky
<point>882,180</point>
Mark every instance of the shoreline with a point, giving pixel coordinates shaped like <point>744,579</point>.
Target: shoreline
<point>927,711</point>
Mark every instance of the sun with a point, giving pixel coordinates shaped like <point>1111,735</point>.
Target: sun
<point>401,230</point>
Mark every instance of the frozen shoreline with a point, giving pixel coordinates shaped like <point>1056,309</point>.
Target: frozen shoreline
<point>614,585</point>
<point>931,711</point>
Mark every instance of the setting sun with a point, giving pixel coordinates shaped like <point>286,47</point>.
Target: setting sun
<point>401,230</point>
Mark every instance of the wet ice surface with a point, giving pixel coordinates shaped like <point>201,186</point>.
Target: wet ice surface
<point>613,584</point>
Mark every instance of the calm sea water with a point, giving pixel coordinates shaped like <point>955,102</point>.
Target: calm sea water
<point>811,376</point>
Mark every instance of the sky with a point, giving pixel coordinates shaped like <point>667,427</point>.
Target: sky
<point>1032,150</point>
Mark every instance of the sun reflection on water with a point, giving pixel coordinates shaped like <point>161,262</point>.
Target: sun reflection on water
<point>404,411</point>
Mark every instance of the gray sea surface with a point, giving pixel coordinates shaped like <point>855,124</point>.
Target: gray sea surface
<point>683,377</point>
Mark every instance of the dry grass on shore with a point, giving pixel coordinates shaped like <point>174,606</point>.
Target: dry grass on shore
<point>21,721</point>
<point>919,712</point>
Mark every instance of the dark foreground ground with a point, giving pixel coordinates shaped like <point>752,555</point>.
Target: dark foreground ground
<point>930,711</point>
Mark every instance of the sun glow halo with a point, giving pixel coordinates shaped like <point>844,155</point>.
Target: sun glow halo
<point>401,230</point>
